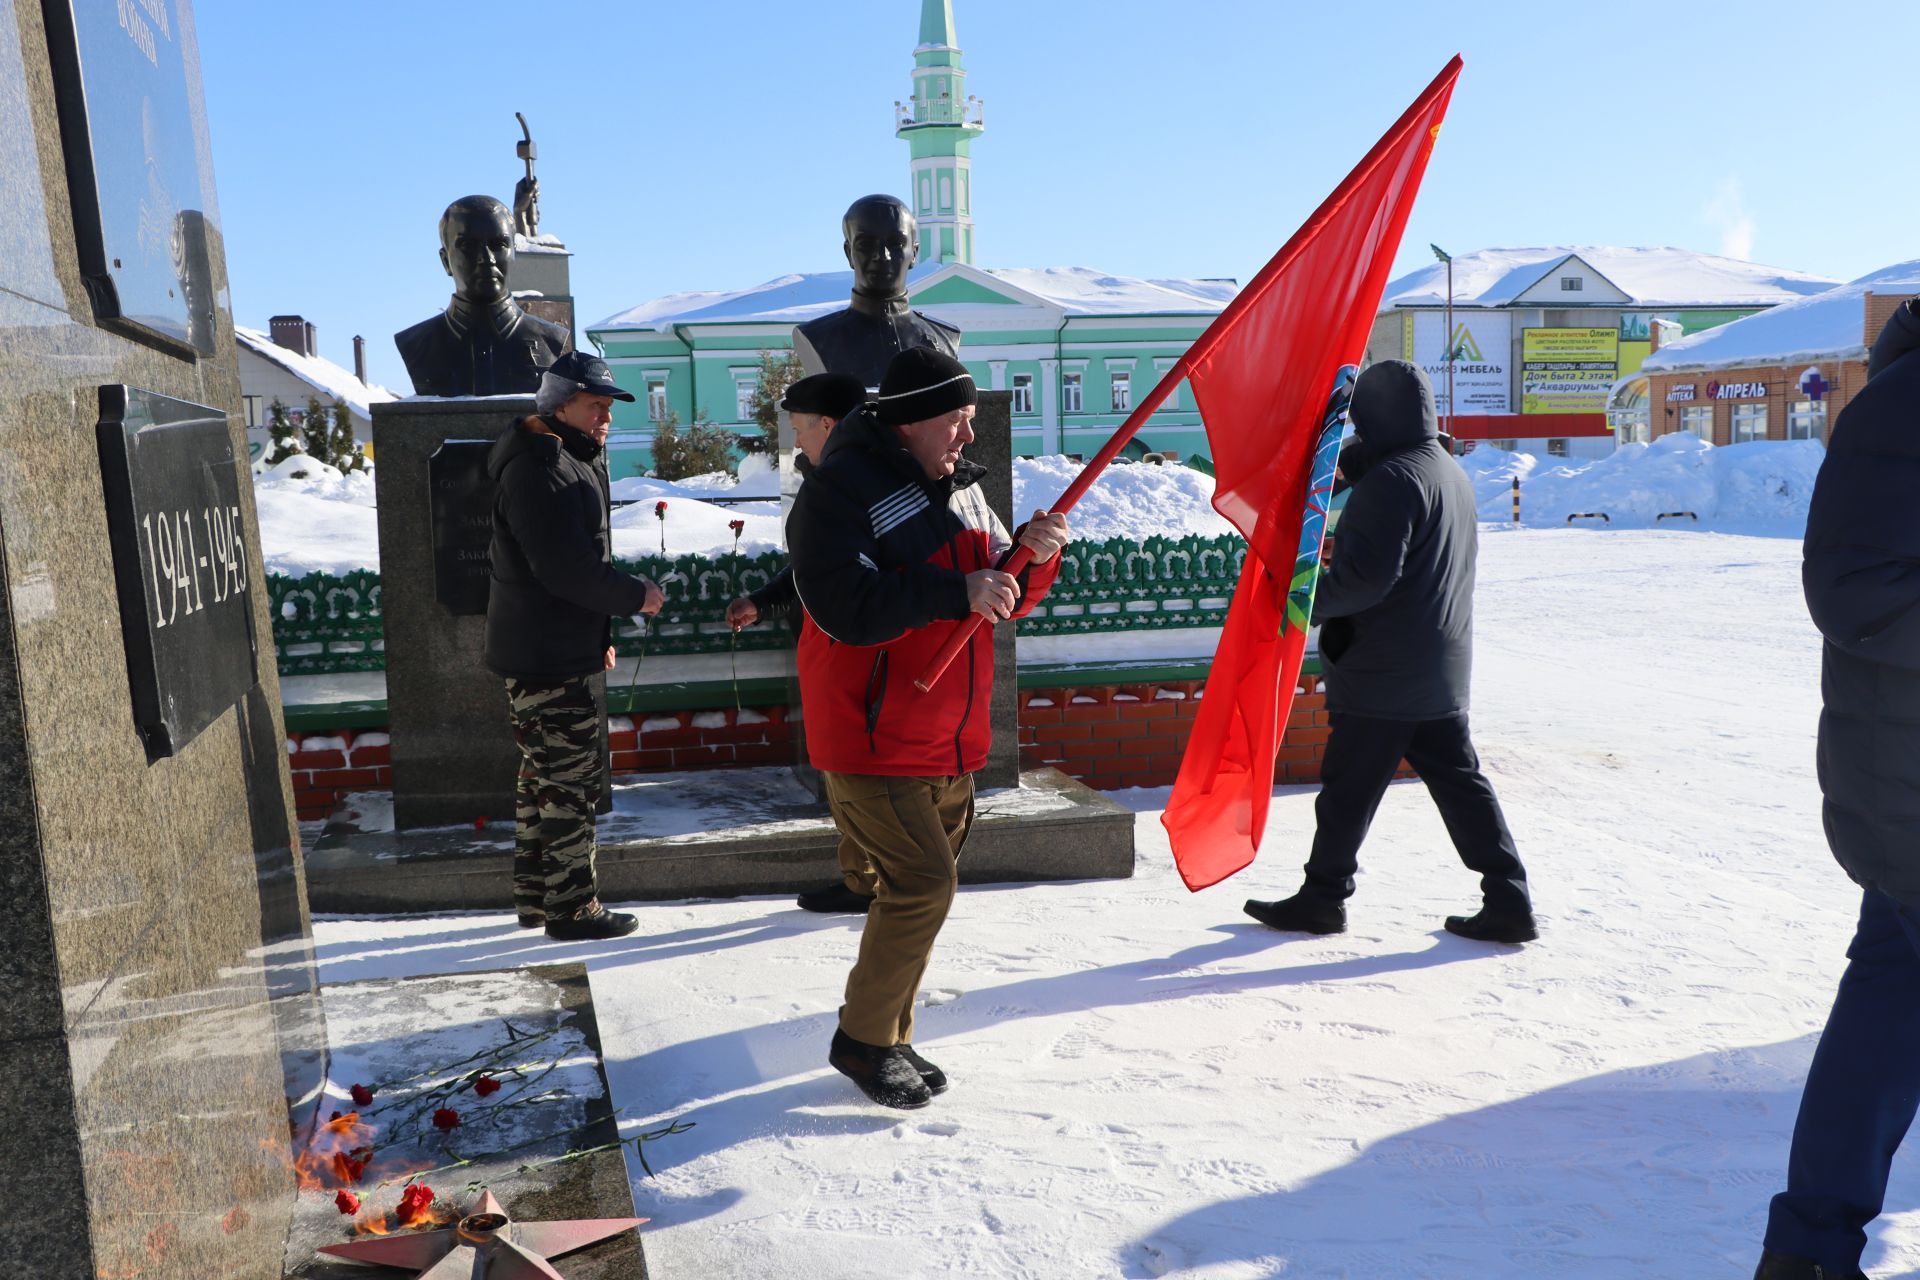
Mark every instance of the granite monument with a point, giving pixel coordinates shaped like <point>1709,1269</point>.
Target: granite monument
<point>162,1032</point>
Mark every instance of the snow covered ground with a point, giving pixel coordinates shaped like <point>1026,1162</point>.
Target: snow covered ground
<point>1146,1083</point>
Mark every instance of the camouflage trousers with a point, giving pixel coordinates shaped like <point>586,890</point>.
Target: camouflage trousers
<point>557,728</point>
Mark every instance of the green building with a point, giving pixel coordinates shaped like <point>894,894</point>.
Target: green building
<point>1075,346</point>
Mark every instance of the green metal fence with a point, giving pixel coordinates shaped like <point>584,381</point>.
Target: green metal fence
<point>324,624</point>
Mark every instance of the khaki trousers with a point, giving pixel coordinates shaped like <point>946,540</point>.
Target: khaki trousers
<point>911,829</point>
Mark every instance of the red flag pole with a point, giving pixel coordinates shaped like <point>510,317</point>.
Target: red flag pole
<point>1197,353</point>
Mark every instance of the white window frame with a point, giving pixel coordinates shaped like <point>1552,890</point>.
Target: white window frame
<point>658,407</point>
<point>1749,423</point>
<point>1022,393</point>
<point>1698,419</point>
<point>1806,420</point>
<point>1559,447</point>
<point>1120,390</point>
<point>1072,383</point>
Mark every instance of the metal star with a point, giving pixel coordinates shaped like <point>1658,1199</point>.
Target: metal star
<point>487,1244</point>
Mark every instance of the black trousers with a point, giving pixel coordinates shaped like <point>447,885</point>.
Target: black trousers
<point>1362,755</point>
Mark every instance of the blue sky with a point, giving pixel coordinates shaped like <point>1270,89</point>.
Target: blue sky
<point>714,144</point>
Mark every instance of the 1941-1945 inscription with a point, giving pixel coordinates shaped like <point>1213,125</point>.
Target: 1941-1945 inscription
<point>179,561</point>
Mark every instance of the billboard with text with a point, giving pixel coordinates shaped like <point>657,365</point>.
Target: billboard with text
<point>1483,346</point>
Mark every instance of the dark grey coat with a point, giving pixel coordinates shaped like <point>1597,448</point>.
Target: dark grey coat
<point>1861,573</point>
<point>554,588</point>
<point>1396,603</point>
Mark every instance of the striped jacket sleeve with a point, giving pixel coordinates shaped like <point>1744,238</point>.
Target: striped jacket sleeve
<point>836,571</point>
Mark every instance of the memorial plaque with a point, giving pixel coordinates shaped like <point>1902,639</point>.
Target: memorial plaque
<point>461,509</point>
<point>139,185</point>
<point>179,561</point>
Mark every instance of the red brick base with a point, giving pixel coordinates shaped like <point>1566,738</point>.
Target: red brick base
<point>1107,736</point>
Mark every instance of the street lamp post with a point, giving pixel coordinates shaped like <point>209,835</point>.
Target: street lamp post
<point>1447,258</point>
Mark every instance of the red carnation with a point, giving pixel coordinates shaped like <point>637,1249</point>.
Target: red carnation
<point>445,1118</point>
<point>737,526</point>
<point>480,823</point>
<point>361,1095</point>
<point>660,508</point>
<point>486,1085</point>
<point>346,1202</point>
<point>414,1202</point>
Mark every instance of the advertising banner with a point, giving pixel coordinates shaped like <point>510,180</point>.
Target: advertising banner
<point>1567,370</point>
<point>1483,343</point>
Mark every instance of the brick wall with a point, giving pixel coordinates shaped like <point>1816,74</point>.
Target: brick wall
<point>329,766</point>
<point>1107,736</point>
<point>672,741</point>
<point>1112,736</point>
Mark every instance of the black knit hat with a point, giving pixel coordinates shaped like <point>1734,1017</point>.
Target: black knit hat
<point>834,395</point>
<point>922,383</point>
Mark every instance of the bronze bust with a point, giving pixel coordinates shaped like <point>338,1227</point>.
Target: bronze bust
<point>882,242</point>
<point>483,344</point>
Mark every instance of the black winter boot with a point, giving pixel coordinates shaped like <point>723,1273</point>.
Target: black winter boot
<point>1302,913</point>
<point>592,924</point>
<point>935,1078</point>
<point>835,898</point>
<point>1488,925</point>
<point>1784,1266</point>
<point>883,1073</point>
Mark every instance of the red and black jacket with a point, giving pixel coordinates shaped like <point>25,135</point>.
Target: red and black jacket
<point>880,559</point>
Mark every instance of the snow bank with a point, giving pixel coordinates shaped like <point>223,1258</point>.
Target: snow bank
<point>1125,502</point>
<point>321,520</point>
<point>1762,486</point>
<point>326,521</point>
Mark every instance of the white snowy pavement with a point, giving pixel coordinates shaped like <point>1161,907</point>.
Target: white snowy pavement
<point>1146,1083</point>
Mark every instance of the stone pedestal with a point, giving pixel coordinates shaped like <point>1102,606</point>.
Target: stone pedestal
<point>453,755</point>
<point>992,448</point>
<point>159,1029</point>
<point>710,834</point>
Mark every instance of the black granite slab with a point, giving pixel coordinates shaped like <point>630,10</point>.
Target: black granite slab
<point>390,1029</point>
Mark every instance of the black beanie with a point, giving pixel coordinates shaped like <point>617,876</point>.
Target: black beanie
<point>922,383</point>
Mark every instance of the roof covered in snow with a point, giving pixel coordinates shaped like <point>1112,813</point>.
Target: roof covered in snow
<point>792,299</point>
<point>1827,326</point>
<point>1650,277</point>
<point>317,372</point>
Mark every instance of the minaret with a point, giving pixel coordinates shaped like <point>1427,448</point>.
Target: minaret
<point>940,124</point>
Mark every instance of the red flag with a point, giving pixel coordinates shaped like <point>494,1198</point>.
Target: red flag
<point>1262,375</point>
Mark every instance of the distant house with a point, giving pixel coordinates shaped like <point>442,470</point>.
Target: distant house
<point>1784,374</point>
<point>1546,342</point>
<point>285,366</point>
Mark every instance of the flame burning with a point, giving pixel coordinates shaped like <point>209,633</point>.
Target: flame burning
<point>344,1156</point>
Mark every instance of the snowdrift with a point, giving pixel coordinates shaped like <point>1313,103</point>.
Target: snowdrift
<point>326,521</point>
<point>1762,487</point>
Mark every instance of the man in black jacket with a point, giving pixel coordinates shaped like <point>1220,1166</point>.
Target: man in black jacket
<point>553,594</point>
<point>1396,650</point>
<point>1861,573</point>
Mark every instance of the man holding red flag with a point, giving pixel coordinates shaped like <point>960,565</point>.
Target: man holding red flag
<point>1396,651</point>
